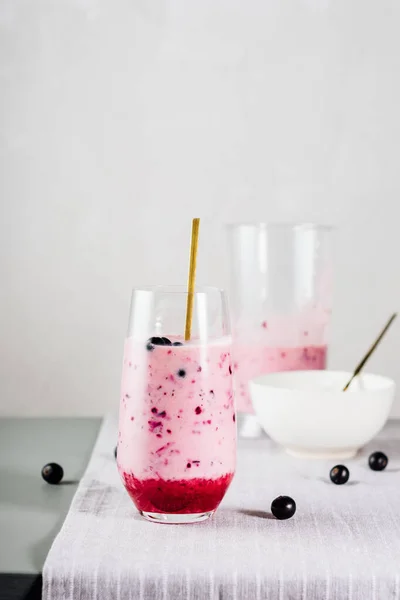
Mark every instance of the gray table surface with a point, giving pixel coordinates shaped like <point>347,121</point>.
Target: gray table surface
<point>32,511</point>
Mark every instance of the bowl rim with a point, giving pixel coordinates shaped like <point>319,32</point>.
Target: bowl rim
<point>267,381</point>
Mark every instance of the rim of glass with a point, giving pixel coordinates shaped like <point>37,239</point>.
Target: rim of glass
<point>304,225</point>
<point>178,289</point>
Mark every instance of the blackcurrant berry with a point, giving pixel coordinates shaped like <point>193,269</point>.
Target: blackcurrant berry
<point>283,507</point>
<point>378,461</point>
<point>339,474</point>
<point>52,473</point>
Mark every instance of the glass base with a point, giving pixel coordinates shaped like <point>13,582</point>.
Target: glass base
<point>180,519</point>
<point>249,427</point>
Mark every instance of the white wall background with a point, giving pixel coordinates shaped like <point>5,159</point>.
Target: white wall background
<point>122,120</point>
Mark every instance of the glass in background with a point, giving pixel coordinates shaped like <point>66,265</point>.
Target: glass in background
<point>281,300</point>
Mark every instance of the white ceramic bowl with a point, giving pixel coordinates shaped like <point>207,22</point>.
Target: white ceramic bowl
<point>309,414</point>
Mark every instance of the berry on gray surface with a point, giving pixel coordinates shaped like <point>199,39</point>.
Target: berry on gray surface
<point>52,473</point>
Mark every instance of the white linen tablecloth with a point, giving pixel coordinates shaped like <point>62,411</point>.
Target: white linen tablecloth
<point>343,542</point>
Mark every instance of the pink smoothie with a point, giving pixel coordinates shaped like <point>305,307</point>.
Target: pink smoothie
<point>177,432</point>
<point>252,360</point>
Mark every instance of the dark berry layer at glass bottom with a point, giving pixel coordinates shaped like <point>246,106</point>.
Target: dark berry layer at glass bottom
<point>184,496</point>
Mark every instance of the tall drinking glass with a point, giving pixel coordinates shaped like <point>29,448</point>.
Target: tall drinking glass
<point>281,297</point>
<point>177,432</point>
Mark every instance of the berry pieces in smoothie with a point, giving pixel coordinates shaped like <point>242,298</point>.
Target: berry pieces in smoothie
<point>157,341</point>
<point>252,360</point>
<point>177,496</point>
<point>161,414</point>
<point>176,420</point>
<point>155,426</point>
